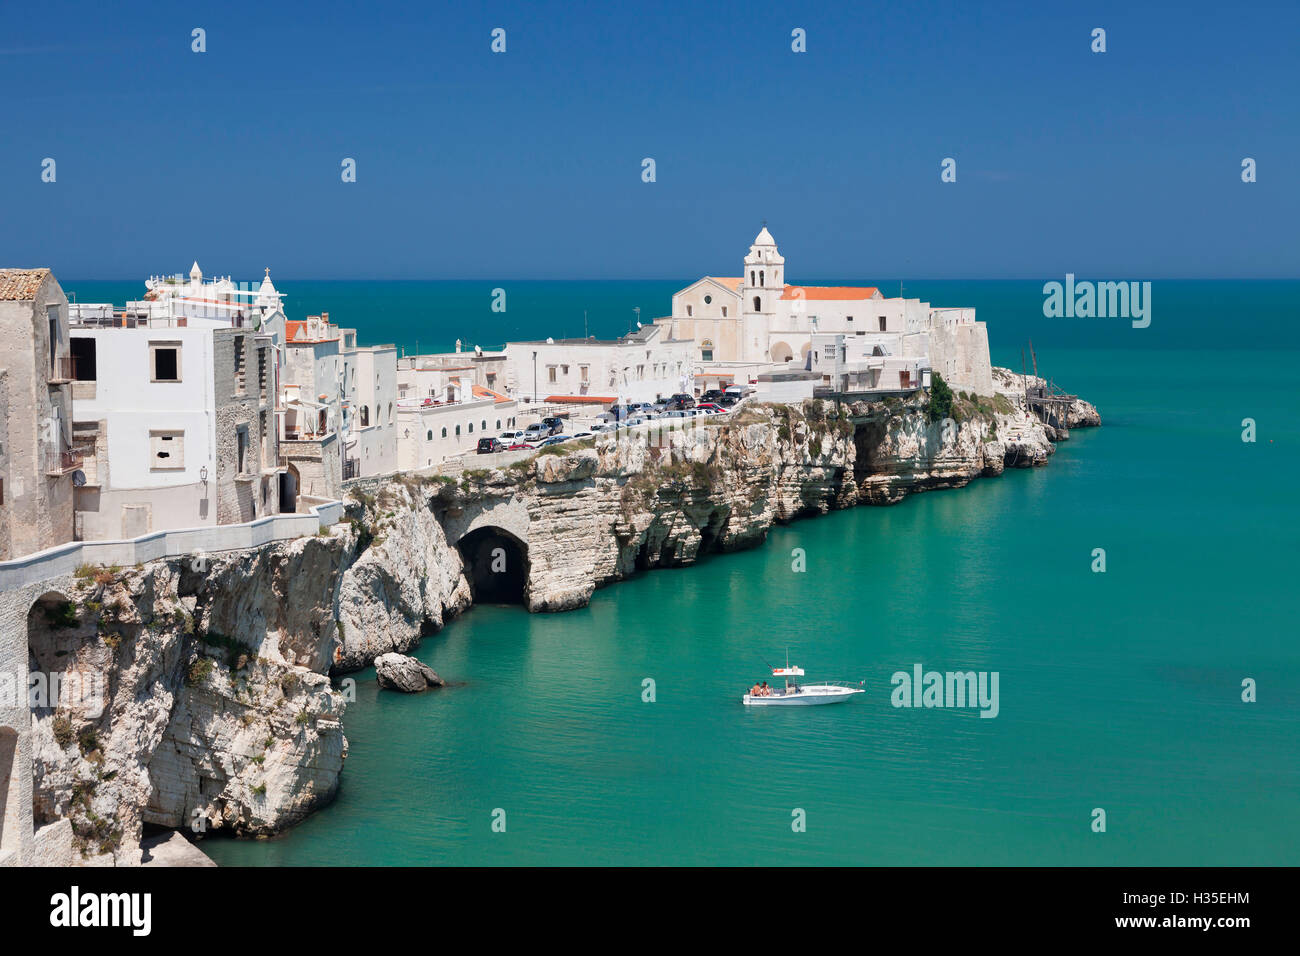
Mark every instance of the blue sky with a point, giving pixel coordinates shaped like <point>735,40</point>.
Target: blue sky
<point>528,164</point>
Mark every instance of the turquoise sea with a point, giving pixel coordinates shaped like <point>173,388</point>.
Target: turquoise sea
<point>1119,690</point>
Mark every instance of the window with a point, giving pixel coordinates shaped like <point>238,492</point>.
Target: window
<point>498,424</point>
<point>444,433</point>
<point>706,350</point>
<point>690,311</point>
<point>583,372</point>
<point>849,318</point>
<point>83,360</point>
<point>365,416</point>
<point>457,430</point>
<point>758,304</point>
<point>239,363</point>
<point>550,371</point>
<point>485,424</point>
<point>165,361</point>
<point>564,369</point>
<point>761,280</point>
<point>428,436</point>
<point>882,323</point>
<point>751,277</point>
<point>471,428</point>
<point>724,311</point>
<point>166,451</point>
<point>708,299</point>
<point>241,440</point>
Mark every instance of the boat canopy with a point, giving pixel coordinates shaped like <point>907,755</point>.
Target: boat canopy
<point>787,672</point>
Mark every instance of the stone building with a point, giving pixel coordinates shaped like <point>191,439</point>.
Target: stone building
<point>38,458</point>
<point>743,322</point>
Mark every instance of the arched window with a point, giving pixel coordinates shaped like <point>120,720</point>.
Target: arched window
<point>444,433</point>
<point>471,428</point>
<point>724,311</point>
<point>758,304</point>
<point>485,424</point>
<point>457,430</point>
<point>690,310</point>
<point>751,277</point>
<point>365,416</point>
<point>429,434</point>
<point>498,424</point>
<point>761,280</point>
<point>706,350</point>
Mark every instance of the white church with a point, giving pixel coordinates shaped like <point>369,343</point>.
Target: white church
<point>757,319</point>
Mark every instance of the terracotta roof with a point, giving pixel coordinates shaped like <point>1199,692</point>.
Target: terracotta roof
<point>483,392</point>
<point>825,293</point>
<point>582,399</point>
<point>295,333</point>
<point>732,283</point>
<point>20,285</point>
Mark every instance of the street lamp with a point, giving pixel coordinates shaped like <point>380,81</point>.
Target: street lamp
<point>534,378</point>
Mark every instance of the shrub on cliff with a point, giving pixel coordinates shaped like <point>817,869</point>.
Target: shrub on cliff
<point>940,406</point>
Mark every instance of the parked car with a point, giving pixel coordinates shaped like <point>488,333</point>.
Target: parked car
<point>681,400</point>
<point>712,395</point>
<point>509,438</point>
<point>490,446</point>
<point>553,440</point>
<point>727,400</point>
<point>659,407</point>
<point>711,408</point>
<point>520,445</point>
<point>556,425</point>
<point>580,435</point>
<point>537,431</point>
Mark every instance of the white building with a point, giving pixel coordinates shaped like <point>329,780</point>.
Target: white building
<point>433,430</point>
<point>338,408</point>
<point>851,363</point>
<point>641,367</point>
<point>174,407</point>
<point>741,323</point>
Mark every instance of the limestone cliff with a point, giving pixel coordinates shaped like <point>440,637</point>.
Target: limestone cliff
<point>219,711</point>
<point>211,708</point>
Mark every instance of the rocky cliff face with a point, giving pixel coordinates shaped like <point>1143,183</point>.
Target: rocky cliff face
<point>219,710</point>
<point>657,499</point>
<point>215,713</point>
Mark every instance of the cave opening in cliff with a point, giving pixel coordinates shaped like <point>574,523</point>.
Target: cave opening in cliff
<point>496,566</point>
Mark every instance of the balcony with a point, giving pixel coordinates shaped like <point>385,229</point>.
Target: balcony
<point>351,468</point>
<point>59,463</point>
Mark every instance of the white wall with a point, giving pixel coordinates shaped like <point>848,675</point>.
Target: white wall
<point>132,406</point>
<point>420,439</point>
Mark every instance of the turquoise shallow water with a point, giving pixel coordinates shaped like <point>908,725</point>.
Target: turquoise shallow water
<point>1118,690</point>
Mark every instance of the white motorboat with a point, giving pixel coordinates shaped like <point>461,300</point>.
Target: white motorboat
<point>798,694</point>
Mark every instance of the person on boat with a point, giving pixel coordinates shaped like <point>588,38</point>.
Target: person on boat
<point>756,691</point>
<point>765,691</point>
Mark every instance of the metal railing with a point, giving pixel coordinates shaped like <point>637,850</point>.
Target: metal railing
<point>62,462</point>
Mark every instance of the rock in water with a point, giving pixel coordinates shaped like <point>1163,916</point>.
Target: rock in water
<point>400,672</point>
